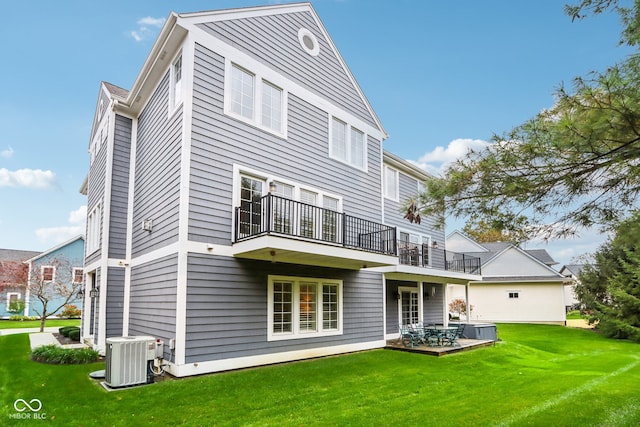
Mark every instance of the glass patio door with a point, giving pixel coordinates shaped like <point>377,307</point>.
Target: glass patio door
<point>409,307</point>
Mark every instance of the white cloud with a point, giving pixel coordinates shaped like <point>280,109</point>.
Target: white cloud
<point>7,153</point>
<point>55,235</point>
<point>79,216</point>
<point>146,28</point>
<point>27,178</point>
<point>439,158</point>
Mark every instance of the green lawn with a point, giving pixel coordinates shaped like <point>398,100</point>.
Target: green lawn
<point>537,375</point>
<point>17,324</point>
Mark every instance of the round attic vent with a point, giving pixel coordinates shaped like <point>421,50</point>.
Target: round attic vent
<point>308,42</point>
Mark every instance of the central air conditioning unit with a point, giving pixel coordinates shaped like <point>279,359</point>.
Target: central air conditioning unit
<point>127,360</point>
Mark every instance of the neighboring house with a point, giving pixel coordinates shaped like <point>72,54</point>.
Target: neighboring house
<point>13,281</point>
<point>572,271</point>
<point>241,207</point>
<point>62,265</point>
<point>517,285</point>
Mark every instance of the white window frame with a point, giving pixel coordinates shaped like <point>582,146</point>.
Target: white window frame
<point>418,239</point>
<point>391,193</point>
<point>176,84</point>
<point>259,82</point>
<point>94,222</point>
<point>53,273</point>
<point>76,270</point>
<point>513,292</point>
<point>349,144</point>
<point>240,171</point>
<point>9,295</point>
<point>296,333</point>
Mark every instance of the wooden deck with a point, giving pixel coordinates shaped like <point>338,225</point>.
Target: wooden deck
<point>465,345</point>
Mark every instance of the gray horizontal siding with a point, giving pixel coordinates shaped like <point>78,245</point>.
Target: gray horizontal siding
<point>96,191</point>
<point>273,40</point>
<point>157,173</point>
<point>394,216</point>
<point>432,307</point>
<point>104,98</point>
<point>115,301</point>
<point>120,188</point>
<point>227,308</point>
<point>152,303</point>
<point>219,141</point>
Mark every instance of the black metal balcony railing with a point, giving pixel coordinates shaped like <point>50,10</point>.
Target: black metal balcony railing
<point>413,254</point>
<point>425,256</point>
<point>278,215</point>
<point>454,261</point>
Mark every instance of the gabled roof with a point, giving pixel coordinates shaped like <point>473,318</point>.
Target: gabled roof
<point>572,269</point>
<point>55,248</point>
<point>487,250</point>
<point>211,23</point>
<point>543,271</point>
<point>405,166</point>
<point>16,255</point>
<point>13,256</point>
<point>542,255</point>
<point>116,91</point>
<point>467,240</point>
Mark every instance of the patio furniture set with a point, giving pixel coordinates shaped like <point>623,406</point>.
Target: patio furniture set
<point>431,335</point>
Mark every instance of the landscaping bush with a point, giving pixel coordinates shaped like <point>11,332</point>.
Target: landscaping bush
<point>74,335</point>
<point>21,318</point>
<point>70,310</point>
<point>64,356</point>
<point>64,331</point>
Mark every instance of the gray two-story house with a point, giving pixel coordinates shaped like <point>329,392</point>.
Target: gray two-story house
<point>241,206</point>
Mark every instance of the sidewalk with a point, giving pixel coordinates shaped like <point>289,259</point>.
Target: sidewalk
<point>37,338</point>
<point>27,330</point>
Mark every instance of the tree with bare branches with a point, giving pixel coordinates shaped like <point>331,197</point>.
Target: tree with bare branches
<point>53,286</point>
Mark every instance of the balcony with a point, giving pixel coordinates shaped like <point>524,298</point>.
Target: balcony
<point>278,229</point>
<point>425,256</point>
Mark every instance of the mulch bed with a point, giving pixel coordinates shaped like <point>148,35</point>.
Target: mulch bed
<point>64,340</point>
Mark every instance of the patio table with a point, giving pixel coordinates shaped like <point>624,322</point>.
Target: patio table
<point>439,332</point>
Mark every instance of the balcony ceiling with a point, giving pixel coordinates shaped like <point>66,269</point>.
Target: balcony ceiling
<point>286,250</point>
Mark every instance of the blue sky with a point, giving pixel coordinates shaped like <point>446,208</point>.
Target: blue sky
<point>440,75</point>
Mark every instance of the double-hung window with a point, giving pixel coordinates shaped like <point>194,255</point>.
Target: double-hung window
<point>175,94</point>
<point>391,187</point>
<point>255,100</point>
<point>242,92</point>
<point>48,273</point>
<point>301,307</point>
<point>347,144</point>
<point>78,275</point>
<point>93,229</point>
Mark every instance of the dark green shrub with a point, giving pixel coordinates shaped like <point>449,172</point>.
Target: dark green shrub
<point>66,329</point>
<point>74,334</point>
<point>63,356</point>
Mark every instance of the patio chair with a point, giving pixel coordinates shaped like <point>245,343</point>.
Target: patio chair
<point>410,336</point>
<point>452,335</point>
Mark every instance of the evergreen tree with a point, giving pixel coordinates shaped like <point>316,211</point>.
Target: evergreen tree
<point>609,288</point>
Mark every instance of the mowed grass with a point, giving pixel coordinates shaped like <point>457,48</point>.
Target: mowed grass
<point>536,375</point>
<point>18,324</point>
